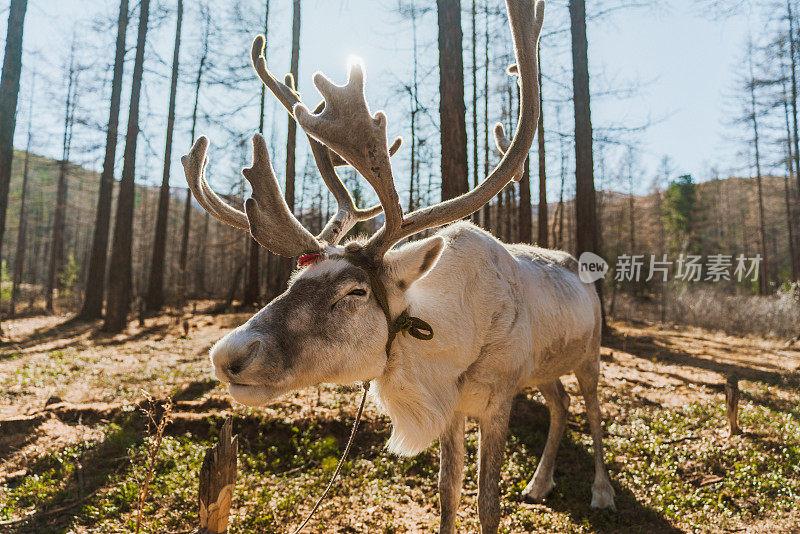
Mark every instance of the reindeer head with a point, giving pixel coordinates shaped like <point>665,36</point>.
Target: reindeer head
<point>333,322</point>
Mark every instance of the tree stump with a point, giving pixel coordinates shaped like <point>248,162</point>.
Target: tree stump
<point>732,404</point>
<point>217,481</point>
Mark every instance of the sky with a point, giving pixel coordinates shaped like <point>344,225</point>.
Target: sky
<point>682,62</point>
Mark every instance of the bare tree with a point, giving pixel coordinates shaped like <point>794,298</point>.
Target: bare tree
<point>751,83</point>
<point>586,229</point>
<point>486,214</point>
<point>154,300</point>
<point>9,91</point>
<point>542,215</point>
<point>451,100</point>
<point>119,280</point>
<point>524,232</point>
<point>57,241</point>
<point>793,139</point>
<point>291,139</point>
<point>476,215</point>
<point>187,208</point>
<point>291,136</point>
<point>93,299</point>
<point>19,255</point>
<point>790,174</point>
<point>252,288</point>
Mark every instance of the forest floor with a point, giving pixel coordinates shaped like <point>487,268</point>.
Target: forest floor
<point>73,441</point>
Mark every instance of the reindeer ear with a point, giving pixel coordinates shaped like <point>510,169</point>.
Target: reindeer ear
<point>411,262</point>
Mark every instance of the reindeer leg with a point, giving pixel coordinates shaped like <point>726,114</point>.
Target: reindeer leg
<point>558,403</point>
<point>451,472</point>
<point>493,429</point>
<point>587,375</point>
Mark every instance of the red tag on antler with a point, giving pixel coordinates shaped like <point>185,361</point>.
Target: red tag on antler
<point>307,259</point>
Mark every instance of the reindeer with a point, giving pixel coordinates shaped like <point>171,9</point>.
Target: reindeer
<point>505,317</point>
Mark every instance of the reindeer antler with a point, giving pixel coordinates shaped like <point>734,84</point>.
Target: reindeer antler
<point>525,18</point>
<point>194,166</point>
<point>342,130</point>
<point>346,126</point>
<point>267,216</point>
<point>347,214</point>
<point>503,143</point>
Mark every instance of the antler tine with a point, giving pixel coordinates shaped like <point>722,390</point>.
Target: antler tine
<point>503,143</point>
<point>347,214</point>
<point>285,94</point>
<point>194,166</point>
<point>272,223</point>
<point>266,215</point>
<point>338,161</point>
<point>346,126</point>
<point>525,18</point>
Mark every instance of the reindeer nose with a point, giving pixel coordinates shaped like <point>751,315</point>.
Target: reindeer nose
<point>234,368</point>
<point>232,354</point>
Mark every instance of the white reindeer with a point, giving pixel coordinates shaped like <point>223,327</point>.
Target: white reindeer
<point>505,317</point>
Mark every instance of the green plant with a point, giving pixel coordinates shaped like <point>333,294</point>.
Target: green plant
<point>68,275</point>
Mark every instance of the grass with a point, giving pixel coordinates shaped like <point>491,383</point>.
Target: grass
<point>673,468</point>
<point>670,468</point>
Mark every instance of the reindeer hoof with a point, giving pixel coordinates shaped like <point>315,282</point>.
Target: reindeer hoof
<point>603,498</point>
<point>536,492</point>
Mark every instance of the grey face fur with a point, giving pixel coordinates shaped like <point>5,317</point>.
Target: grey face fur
<point>326,327</point>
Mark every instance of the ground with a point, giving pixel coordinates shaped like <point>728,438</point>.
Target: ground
<point>73,440</point>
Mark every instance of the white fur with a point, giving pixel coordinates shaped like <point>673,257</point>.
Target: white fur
<point>482,298</point>
<point>504,317</point>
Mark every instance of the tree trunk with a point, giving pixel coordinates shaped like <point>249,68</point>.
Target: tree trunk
<point>252,292</point>
<point>154,300</point>
<point>631,209</point>
<point>452,112</point>
<point>790,174</point>
<point>475,179</point>
<point>413,149</point>
<point>524,232</point>
<point>263,88</point>
<point>251,288</point>
<point>414,109</point>
<point>187,207</point>
<point>9,91</point>
<point>793,57</point>
<point>119,280</point>
<point>486,210</point>
<point>586,215</point>
<point>291,139</point>
<point>763,281</point>
<point>93,300</point>
<point>542,215</point>
<point>509,213</point>
<point>201,265</point>
<point>217,481</point>
<point>19,255</point>
<point>59,216</point>
<point>586,230</point>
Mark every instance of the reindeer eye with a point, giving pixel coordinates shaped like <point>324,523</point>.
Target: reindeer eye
<point>358,291</point>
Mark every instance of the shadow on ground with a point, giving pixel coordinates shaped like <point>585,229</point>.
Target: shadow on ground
<point>646,346</point>
<point>574,475</point>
